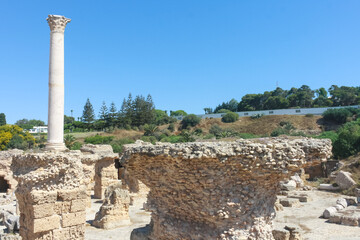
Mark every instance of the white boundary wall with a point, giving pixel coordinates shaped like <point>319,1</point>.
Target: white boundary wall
<point>293,111</point>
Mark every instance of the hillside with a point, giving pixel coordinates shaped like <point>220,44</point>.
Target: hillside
<point>266,124</point>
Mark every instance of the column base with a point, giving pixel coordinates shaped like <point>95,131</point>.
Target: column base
<point>55,147</point>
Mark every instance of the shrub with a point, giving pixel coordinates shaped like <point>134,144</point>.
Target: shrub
<point>309,115</point>
<point>339,116</point>
<point>209,136</point>
<point>171,127</point>
<point>256,116</point>
<point>198,131</point>
<point>69,140</point>
<point>278,132</point>
<point>190,120</point>
<point>150,129</point>
<point>76,146</point>
<point>97,139</point>
<point>117,145</point>
<point>328,134</point>
<point>215,130</point>
<point>223,111</point>
<point>348,141</point>
<point>230,117</point>
<point>150,139</point>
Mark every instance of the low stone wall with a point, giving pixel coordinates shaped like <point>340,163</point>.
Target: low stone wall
<point>218,190</point>
<point>51,195</point>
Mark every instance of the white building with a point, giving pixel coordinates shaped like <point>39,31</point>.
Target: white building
<point>39,129</point>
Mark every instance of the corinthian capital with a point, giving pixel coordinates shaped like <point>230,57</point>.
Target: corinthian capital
<point>57,23</point>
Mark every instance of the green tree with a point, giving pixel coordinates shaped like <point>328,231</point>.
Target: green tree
<point>2,119</point>
<point>208,110</point>
<point>104,112</point>
<point>68,119</point>
<point>113,115</point>
<point>29,124</point>
<point>178,113</point>
<point>88,113</point>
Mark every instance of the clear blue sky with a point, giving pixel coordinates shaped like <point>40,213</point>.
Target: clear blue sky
<point>187,54</point>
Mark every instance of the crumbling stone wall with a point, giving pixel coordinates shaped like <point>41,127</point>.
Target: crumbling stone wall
<point>5,171</point>
<point>217,190</point>
<point>51,195</point>
<point>99,169</point>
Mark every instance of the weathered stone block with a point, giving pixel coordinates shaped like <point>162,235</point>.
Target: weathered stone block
<point>41,197</point>
<point>281,234</point>
<point>290,202</point>
<point>43,210</point>
<point>78,205</point>
<point>70,233</point>
<point>46,224</point>
<point>72,219</point>
<point>62,207</point>
<point>328,212</point>
<point>73,194</point>
<point>344,180</point>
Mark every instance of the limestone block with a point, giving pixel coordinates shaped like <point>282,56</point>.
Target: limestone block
<point>46,224</point>
<point>328,212</point>
<point>70,233</point>
<point>335,218</point>
<point>73,219</point>
<point>281,234</point>
<point>77,205</point>
<point>302,197</point>
<point>43,210</point>
<point>290,202</point>
<point>72,194</point>
<point>62,207</point>
<point>350,220</point>
<point>289,186</point>
<point>42,197</point>
<point>344,180</point>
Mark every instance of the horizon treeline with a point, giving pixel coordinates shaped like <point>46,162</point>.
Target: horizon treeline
<point>303,97</point>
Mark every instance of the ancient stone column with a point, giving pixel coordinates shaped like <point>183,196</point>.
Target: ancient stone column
<point>217,190</point>
<point>55,139</point>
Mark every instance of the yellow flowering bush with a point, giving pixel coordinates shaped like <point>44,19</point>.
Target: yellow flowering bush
<point>13,136</point>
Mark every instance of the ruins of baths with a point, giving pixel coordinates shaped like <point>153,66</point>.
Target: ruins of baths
<point>234,190</point>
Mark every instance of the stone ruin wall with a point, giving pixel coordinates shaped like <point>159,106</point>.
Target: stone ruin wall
<point>51,195</point>
<point>5,171</point>
<point>98,163</point>
<point>218,190</point>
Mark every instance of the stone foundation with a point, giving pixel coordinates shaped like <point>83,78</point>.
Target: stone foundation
<point>51,195</point>
<point>218,190</point>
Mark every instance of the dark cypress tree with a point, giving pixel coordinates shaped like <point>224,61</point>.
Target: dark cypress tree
<point>88,113</point>
<point>2,119</point>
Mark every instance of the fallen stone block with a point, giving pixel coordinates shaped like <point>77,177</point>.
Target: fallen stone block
<point>328,187</point>
<point>289,186</point>
<point>335,218</point>
<point>350,220</point>
<point>328,212</point>
<point>290,202</point>
<point>301,197</point>
<point>281,234</point>
<point>344,180</point>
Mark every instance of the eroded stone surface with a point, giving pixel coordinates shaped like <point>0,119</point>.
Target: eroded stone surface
<point>217,190</point>
<point>5,171</point>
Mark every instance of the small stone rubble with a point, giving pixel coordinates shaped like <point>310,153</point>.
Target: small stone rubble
<point>345,212</point>
<point>217,190</point>
<point>115,210</point>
